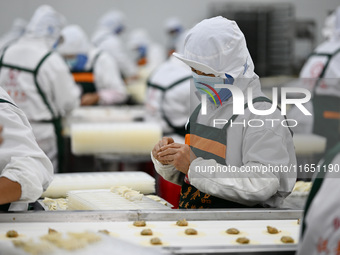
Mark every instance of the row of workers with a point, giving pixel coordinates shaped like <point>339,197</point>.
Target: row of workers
<point>216,51</point>
<point>35,70</point>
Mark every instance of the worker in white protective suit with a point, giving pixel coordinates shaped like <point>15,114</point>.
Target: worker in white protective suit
<point>173,29</point>
<point>25,170</point>
<point>320,227</point>
<point>167,102</point>
<point>39,81</point>
<point>16,31</point>
<point>93,69</point>
<point>225,159</point>
<point>148,55</point>
<point>168,93</point>
<point>107,37</point>
<point>145,52</point>
<point>320,74</point>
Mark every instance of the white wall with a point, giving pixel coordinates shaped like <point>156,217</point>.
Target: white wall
<point>149,14</point>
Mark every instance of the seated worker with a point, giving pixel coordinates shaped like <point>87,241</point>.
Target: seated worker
<point>216,51</point>
<point>148,55</point>
<point>93,69</point>
<point>39,81</point>
<point>25,170</point>
<point>173,29</point>
<point>320,74</point>
<point>167,95</point>
<point>167,103</point>
<point>320,232</point>
<point>108,36</point>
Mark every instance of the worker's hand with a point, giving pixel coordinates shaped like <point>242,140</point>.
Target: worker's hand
<point>1,139</point>
<point>156,149</point>
<point>178,155</point>
<point>89,99</point>
<point>131,79</point>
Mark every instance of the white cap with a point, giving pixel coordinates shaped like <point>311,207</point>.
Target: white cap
<point>75,41</point>
<point>138,37</point>
<point>112,20</point>
<point>217,46</point>
<point>46,22</point>
<point>173,23</point>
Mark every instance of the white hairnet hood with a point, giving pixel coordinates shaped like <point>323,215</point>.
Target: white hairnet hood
<point>173,23</point>
<point>112,20</point>
<point>108,25</point>
<point>46,22</point>
<point>75,41</point>
<point>217,46</point>
<point>138,37</point>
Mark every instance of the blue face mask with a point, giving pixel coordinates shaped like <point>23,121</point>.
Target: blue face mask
<point>56,43</point>
<point>77,63</point>
<point>206,85</point>
<point>140,52</point>
<point>119,30</point>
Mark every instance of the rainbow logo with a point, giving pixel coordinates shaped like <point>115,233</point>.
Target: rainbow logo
<point>209,93</point>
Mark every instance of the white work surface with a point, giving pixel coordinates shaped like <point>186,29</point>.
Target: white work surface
<point>210,233</point>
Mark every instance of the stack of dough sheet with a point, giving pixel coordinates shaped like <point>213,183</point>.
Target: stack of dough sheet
<point>309,144</point>
<point>117,138</point>
<point>62,183</point>
<point>105,199</point>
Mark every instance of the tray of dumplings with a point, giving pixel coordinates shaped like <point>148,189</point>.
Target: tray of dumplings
<point>157,237</point>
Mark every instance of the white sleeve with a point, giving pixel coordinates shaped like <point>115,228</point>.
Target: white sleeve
<point>244,184</point>
<point>65,90</point>
<point>21,159</point>
<point>110,86</point>
<point>168,172</point>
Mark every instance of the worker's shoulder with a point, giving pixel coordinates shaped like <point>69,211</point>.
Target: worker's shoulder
<point>328,47</point>
<point>168,74</point>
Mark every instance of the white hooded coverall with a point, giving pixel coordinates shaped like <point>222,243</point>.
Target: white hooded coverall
<point>217,46</point>
<point>21,159</point>
<point>320,74</point>
<point>320,229</point>
<point>106,39</point>
<point>106,76</point>
<point>39,80</point>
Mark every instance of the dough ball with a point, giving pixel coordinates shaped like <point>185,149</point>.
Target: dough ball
<point>12,234</point>
<point>146,232</point>
<point>272,230</point>
<point>182,223</point>
<point>139,223</point>
<point>232,231</point>
<point>242,240</point>
<point>287,239</point>
<point>155,241</point>
<point>190,231</point>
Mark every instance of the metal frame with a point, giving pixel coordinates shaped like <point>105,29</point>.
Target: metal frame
<point>152,215</point>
